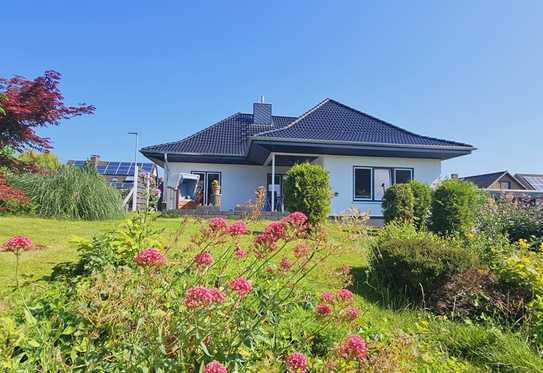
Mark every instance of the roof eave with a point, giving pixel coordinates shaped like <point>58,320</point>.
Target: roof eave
<point>362,143</point>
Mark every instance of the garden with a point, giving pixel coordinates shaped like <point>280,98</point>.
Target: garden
<point>452,282</point>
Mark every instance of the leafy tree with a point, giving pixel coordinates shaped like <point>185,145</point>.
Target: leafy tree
<point>307,189</point>
<point>28,105</point>
<point>44,162</point>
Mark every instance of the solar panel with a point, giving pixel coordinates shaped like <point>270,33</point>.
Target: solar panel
<point>535,181</point>
<point>111,168</point>
<point>147,167</point>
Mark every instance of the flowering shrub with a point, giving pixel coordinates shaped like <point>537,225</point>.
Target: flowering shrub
<point>17,245</point>
<point>354,347</point>
<point>200,308</point>
<point>297,362</point>
<point>150,257</point>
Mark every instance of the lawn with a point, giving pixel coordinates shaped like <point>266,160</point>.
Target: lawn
<point>436,344</point>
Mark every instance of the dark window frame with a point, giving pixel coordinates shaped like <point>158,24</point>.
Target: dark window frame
<point>372,178</point>
<point>355,198</point>
<point>205,198</point>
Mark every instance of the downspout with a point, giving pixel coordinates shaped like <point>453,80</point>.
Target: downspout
<point>166,179</point>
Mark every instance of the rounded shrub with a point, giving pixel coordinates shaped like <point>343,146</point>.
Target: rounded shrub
<point>307,189</point>
<point>455,206</point>
<point>413,262</point>
<point>77,193</point>
<point>398,204</point>
<point>423,200</point>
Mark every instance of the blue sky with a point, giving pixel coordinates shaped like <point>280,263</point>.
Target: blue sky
<point>470,71</point>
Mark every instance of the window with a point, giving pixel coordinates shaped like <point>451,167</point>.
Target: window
<point>371,183</point>
<point>204,190</point>
<point>362,183</point>
<point>505,185</point>
<point>402,175</point>
<point>382,180</point>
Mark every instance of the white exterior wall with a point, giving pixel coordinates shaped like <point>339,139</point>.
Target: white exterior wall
<point>342,183</point>
<point>238,182</point>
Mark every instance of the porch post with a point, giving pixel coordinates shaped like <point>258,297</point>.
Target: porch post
<point>273,183</point>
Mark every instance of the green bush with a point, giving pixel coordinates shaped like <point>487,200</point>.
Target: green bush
<point>398,204</point>
<point>70,192</point>
<point>412,262</point>
<point>307,189</point>
<point>516,220</point>
<point>423,201</point>
<point>455,206</point>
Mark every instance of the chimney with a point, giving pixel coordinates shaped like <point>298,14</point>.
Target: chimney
<point>95,159</point>
<point>262,112</point>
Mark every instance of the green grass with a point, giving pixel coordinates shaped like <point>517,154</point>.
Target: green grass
<point>440,345</point>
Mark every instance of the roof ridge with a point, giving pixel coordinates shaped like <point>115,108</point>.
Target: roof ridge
<point>297,118</point>
<point>488,174</point>
<point>395,126</point>
<point>194,134</point>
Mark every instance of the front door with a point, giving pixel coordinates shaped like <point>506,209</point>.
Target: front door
<point>382,179</point>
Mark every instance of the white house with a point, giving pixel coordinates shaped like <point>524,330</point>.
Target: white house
<point>363,155</point>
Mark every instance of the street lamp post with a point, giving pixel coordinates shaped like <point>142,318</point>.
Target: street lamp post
<point>135,190</point>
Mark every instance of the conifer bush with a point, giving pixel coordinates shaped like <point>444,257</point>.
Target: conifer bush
<point>307,189</point>
<point>399,204</point>
<point>455,206</point>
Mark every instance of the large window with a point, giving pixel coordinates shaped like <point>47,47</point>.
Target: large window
<point>362,183</point>
<point>371,183</point>
<point>402,175</point>
<point>204,190</point>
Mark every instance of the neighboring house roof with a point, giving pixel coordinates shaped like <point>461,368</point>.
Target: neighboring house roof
<point>328,126</point>
<point>534,181</point>
<point>484,181</point>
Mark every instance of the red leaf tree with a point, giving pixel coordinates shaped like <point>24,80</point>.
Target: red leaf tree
<point>30,104</point>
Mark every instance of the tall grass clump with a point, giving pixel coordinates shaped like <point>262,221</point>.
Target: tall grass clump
<point>70,192</point>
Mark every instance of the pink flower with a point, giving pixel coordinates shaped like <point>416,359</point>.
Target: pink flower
<point>351,313</point>
<point>346,270</point>
<point>237,228</point>
<point>327,297</point>
<point>202,297</point>
<point>150,257</point>
<point>269,269</point>
<point>296,218</point>
<point>297,362</point>
<point>344,295</point>
<point>301,250</point>
<point>323,309</point>
<point>215,367</point>
<point>276,230</point>
<point>285,264</point>
<point>158,192</point>
<point>265,241</point>
<point>241,286</point>
<point>217,224</point>
<point>203,260</point>
<point>239,252</point>
<point>18,243</point>
<point>354,347</point>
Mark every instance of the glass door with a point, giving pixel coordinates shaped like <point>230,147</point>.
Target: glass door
<point>204,189</point>
<point>382,179</point>
<point>278,191</point>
